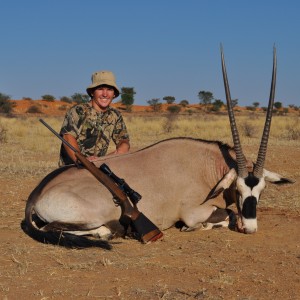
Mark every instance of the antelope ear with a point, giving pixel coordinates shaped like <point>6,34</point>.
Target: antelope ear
<point>276,178</point>
<point>223,184</point>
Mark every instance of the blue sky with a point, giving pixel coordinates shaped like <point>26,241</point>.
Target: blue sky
<point>159,47</point>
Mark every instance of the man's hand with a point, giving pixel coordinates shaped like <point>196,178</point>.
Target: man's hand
<point>123,147</point>
<point>71,140</point>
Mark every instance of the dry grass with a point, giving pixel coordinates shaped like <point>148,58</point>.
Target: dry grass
<point>31,149</point>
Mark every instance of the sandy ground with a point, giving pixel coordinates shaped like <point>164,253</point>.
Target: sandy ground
<point>215,264</point>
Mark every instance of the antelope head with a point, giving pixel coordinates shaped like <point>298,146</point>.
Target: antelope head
<point>249,185</point>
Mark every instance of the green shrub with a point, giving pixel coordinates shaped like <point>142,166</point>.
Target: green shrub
<point>48,98</point>
<point>66,99</point>
<point>80,98</point>
<point>33,109</point>
<point>155,104</point>
<point>6,106</point>
<point>174,109</point>
<point>184,103</point>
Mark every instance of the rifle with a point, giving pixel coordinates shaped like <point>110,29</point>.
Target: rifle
<point>130,215</point>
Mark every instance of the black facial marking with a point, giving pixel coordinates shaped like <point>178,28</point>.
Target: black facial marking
<point>249,208</point>
<point>251,180</point>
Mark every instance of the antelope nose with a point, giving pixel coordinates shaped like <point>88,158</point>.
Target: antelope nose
<point>249,225</point>
<point>250,230</point>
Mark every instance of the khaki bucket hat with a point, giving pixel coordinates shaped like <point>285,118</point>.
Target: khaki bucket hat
<point>103,78</point>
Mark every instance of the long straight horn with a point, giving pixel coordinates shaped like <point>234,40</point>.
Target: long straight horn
<point>258,169</point>
<point>241,162</point>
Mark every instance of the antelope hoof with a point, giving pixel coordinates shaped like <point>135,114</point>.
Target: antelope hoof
<point>235,223</point>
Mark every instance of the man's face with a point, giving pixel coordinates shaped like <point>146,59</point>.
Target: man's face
<point>102,97</point>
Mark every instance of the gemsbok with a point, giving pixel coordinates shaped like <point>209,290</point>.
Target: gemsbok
<point>180,179</point>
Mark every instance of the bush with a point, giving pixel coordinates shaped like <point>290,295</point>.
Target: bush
<point>251,108</point>
<point>293,106</point>
<point>80,98</point>
<point>184,103</point>
<point>174,109</point>
<point>6,106</point>
<point>155,104</point>
<point>48,98</point>
<point>217,104</point>
<point>248,129</point>
<point>278,105</point>
<point>293,131</point>
<point>34,110</point>
<point>169,99</point>
<point>127,96</point>
<point>293,134</point>
<point>3,131</point>
<point>170,124</point>
<point>66,99</point>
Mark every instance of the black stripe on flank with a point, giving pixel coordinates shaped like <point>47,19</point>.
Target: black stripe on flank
<point>249,208</point>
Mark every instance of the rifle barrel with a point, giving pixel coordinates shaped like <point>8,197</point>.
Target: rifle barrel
<point>55,133</point>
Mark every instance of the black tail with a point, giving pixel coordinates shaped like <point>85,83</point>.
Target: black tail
<point>54,237</point>
<point>62,238</point>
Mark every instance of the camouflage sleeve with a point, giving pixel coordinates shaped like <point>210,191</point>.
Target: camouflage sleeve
<point>120,132</point>
<point>72,122</point>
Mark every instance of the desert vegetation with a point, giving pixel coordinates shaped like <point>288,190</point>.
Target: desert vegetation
<point>27,147</point>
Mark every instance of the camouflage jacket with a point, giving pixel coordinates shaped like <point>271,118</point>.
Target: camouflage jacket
<point>93,130</point>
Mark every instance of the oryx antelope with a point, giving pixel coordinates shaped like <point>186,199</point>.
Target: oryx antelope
<point>180,179</point>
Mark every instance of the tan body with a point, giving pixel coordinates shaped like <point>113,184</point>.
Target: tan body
<point>175,178</point>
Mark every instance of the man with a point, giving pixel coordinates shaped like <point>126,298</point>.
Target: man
<point>89,127</point>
